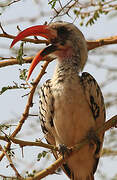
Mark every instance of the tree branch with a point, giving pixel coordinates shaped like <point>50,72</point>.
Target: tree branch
<point>11,163</point>
<point>108,152</point>
<point>101,42</point>
<point>14,61</point>
<point>35,41</point>
<point>8,4</point>
<point>23,143</point>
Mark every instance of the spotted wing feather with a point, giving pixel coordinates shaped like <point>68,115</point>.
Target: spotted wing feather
<point>94,97</point>
<point>46,111</point>
<point>96,102</point>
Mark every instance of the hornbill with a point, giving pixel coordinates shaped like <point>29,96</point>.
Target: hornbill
<point>71,103</point>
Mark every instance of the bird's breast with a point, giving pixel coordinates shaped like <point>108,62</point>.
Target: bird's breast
<point>72,114</point>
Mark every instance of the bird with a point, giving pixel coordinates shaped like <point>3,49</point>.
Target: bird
<point>71,104</point>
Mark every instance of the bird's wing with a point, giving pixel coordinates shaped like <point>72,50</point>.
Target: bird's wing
<point>96,102</point>
<point>46,114</point>
<point>46,111</point>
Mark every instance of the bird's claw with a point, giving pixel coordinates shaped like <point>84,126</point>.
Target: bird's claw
<point>63,149</point>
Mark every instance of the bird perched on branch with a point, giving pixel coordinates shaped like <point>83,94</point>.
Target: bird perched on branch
<point>71,105</point>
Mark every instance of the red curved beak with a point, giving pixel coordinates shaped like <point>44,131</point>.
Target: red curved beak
<point>39,56</point>
<point>40,30</point>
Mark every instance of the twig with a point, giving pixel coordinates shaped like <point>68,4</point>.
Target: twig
<point>4,5</point>
<point>35,41</point>
<point>23,143</point>
<point>101,42</point>
<point>11,163</point>
<point>8,177</point>
<point>51,169</point>
<point>108,152</point>
<point>14,61</point>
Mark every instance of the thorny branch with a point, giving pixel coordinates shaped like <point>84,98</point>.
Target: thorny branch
<point>14,61</point>
<point>63,9</point>
<point>89,10</point>
<point>101,42</point>
<point>8,177</point>
<point>23,143</point>
<point>10,162</point>
<point>8,4</point>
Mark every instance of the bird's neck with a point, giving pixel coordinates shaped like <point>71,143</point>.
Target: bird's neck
<point>67,69</point>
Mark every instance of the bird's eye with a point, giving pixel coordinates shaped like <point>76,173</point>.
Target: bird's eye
<point>63,32</point>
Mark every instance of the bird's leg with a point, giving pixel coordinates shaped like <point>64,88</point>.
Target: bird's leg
<point>94,142</point>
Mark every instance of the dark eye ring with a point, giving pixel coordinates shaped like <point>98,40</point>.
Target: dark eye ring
<point>62,30</point>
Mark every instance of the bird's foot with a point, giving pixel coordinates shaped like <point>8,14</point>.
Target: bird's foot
<point>63,149</point>
<point>94,142</point>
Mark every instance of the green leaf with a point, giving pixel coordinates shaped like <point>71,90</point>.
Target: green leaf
<point>81,23</point>
<point>31,174</point>
<point>100,11</point>
<point>96,15</point>
<point>90,21</point>
<point>40,155</point>
<point>44,153</point>
<point>23,74</point>
<point>15,86</point>
<point>53,3</point>
<point>4,89</point>
<point>76,12</point>
<point>20,54</point>
<point>106,12</point>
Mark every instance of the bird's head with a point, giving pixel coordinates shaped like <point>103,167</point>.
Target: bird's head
<point>66,41</point>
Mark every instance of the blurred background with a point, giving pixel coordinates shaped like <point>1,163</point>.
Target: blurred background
<point>96,19</point>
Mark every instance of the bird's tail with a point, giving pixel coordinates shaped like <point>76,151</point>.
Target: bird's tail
<point>89,177</point>
<point>76,176</point>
